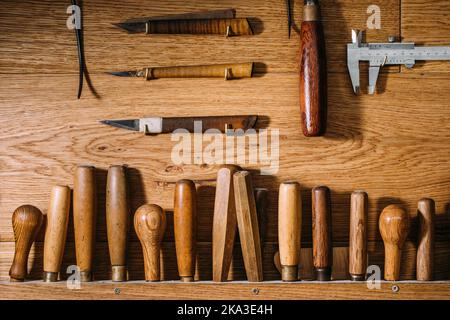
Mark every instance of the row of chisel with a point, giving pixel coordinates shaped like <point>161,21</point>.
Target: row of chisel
<point>238,207</point>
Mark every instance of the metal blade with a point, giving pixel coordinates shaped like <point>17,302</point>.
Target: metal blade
<point>128,74</point>
<point>131,124</point>
<point>131,27</point>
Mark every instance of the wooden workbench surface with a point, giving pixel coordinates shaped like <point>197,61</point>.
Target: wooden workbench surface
<point>394,145</point>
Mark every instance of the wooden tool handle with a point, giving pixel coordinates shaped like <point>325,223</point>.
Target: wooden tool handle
<point>26,222</point>
<point>289,229</point>
<point>224,71</point>
<point>248,225</point>
<point>313,74</point>
<point>185,228</point>
<point>150,224</point>
<point>262,203</point>
<point>358,236</point>
<point>394,227</point>
<point>117,220</point>
<point>425,248</point>
<point>322,233</point>
<point>232,27</point>
<point>56,231</point>
<point>84,219</point>
<point>224,223</point>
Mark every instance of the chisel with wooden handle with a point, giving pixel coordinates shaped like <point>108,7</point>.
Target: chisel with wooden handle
<point>84,219</point>
<point>224,71</point>
<point>185,228</point>
<point>322,233</point>
<point>394,228</point>
<point>26,222</point>
<point>358,236</point>
<point>313,72</point>
<point>248,225</point>
<point>289,229</point>
<point>224,223</point>
<point>425,248</point>
<point>56,232</point>
<point>150,225</point>
<point>117,221</point>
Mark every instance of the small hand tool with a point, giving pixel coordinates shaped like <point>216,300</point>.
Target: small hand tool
<point>56,232</point>
<point>313,72</point>
<point>390,53</point>
<point>224,71</point>
<point>394,228</point>
<point>248,225</point>
<point>358,236</point>
<point>80,50</point>
<point>26,222</point>
<point>289,229</point>
<point>185,228</point>
<point>322,233</point>
<point>425,248</point>
<point>289,16</point>
<point>84,219</point>
<point>220,22</point>
<point>224,223</point>
<point>117,221</point>
<point>150,225</point>
<point>156,125</point>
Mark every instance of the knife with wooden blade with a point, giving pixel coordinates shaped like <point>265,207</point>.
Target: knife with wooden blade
<point>157,125</point>
<point>222,22</point>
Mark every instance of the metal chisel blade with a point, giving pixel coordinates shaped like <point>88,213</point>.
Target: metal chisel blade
<point>131,27</point>
<point>130,124</point>
<point>128,74</point>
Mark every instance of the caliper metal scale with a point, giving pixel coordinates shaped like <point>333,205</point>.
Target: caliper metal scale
<point>390,53</point>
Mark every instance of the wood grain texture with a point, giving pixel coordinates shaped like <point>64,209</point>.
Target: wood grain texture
<point>425,248</point>
<point>358,235</point>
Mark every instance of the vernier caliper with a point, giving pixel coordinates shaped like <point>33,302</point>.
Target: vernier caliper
<point>391,53</point>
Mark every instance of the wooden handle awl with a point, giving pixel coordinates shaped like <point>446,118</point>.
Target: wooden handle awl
<point>224,223</point>
<point>248,225</point>
<point>150,224</point>
<point>84,219</point>
<point>322,233</point>
<point>185,228</point>
<point>394,227</point>
<point>224,71</point>
<point>117,221</point>
<point>56,231</point>
<point>425,248</point>
<point>289,229</point>
<point>313,73</point>
<point>26,222</point>
<point>358,236</point>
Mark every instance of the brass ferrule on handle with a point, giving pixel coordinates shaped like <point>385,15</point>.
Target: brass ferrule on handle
<point>311,11</point>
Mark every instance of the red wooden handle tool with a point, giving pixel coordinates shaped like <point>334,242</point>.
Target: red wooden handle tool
<point>313,72</point>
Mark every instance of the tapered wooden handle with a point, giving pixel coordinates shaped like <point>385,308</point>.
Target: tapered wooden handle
<point>224,71</point>
<point>150,224</point>
<point>358,236</point>
<point>289,229</point>
<point>26,222</point>
<point>313,74</point>
<point>224,223</point>
<point>322,233</point>
<point>185,228</point>
<point>425,248</point>
<point>56,231</point>
<point>262,203</point>
<point>84,219</point>
<point>234,27</point>
<point>394,227</point>
<point>117,220</point>
<point>248,225</point>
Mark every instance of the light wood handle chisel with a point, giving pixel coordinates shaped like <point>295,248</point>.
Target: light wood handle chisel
<point>56,232</point>
<point>26,222</point>
<point>322,233</point>
<point>84,219</point>
<point>358,236</point>
<point>394,228</point>
<point>425,248</point>
<point>117,221</point>
<point>150,225</point>
<point>185,228</point>
<point>289,229</point>
<point>313,72</point>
